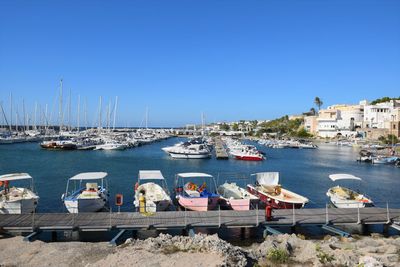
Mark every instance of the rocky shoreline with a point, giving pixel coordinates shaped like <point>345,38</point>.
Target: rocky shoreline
<point>206,250</point>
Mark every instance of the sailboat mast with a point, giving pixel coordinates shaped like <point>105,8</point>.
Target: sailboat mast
<point>100,107</point>
<point>60,111</point>
<point>23,111</point>
<point>34,118</point>
<point>79,107</point>
<point>11,112</point>
<point>69,111</point>
<point>147,116</point>
<point>85,111</point>
<point>115,111</point>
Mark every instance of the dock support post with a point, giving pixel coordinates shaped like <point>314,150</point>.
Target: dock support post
<point>185,218</point>
<point>242,233</point>
<point>134,234</point>
<point>191,232</point>
<point>358,214</point>
<point>294,216</point>
<point>219,216</point>
<point>257,220</point>
<point>31,236</point>
<point>387,213</point>
<point>326,214</point>
<point>113,241</point>
<point>54,236</point>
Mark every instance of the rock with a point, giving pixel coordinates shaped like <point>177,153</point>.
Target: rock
<point>368,261</point>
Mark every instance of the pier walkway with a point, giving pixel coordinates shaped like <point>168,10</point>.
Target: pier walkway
<point>105,221</point>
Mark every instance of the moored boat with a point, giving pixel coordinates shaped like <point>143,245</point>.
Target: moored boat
<point>90,193</point>
<point>270,192</point>
<point>235,197</point>
<point>152,187</point>
<point>17,199</point>
<point>193,193</point>
<point>342,197</point>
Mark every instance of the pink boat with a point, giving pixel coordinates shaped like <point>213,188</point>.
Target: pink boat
<point>236,198</point>
<point>196,196</point>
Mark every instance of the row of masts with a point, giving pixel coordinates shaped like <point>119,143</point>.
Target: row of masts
<point>42,118</point>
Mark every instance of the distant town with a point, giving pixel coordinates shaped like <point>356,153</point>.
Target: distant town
<point>375,120</point>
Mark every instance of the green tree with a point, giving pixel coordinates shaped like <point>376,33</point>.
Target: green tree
<point>224,127</point>
<point>318,102</point>
<point>235,127</point>
<point>313,111</point>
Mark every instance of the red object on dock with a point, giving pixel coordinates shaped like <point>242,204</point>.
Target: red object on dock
<point>268,213</point>
<point>119,199</point>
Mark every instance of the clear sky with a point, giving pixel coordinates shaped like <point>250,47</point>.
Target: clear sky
<point>229,59</point>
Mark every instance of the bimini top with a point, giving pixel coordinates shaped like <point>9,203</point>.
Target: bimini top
<point>150,175</point>
<point>343,176</point>
<point>267,178</point>
<point>89,176</point>
<point>15,176</point>
<point>193,175</point>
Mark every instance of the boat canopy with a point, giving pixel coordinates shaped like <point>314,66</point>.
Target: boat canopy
<point>267,178</point>
<point>15,176</point>
<point>193,174</point>
<point>89,176</point>
<point>343,176</point>
<point>151,175</point>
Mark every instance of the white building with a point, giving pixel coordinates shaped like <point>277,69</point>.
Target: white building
<point>381,115</point>
<point>340,119</point>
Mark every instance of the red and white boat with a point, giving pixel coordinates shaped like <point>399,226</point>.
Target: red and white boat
<point>246,152</point>
<point>270,192</point>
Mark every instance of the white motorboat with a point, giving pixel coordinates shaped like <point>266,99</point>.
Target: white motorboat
<point>151,185</point>
<point>193,151</point>
<point>342,197</point>
<point>90,193</point>
<point>111,146</point>
<point>236,197</point>
<point>17,199</point>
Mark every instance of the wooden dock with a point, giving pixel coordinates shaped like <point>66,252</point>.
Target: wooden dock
<point>105,221</point>
<point>220,150</point>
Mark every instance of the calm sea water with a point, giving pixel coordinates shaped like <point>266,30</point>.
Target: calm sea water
<point>302,171</point>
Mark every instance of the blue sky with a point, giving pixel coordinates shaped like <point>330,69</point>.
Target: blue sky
<point>229,59</point>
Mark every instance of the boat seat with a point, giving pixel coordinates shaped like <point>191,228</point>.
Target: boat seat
<point>92,187</point>
<point>192,193</point>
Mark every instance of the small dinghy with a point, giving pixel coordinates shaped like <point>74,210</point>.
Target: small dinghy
<point>342,197</point>
<point>235,197</point>
<point>90,193</point>
<point>270,192</point>
<point>151,185</point>
<point>19,198</point>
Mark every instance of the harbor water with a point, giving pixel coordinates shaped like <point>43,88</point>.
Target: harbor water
<point>304,171</point>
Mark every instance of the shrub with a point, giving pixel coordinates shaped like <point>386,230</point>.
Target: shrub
<point>278,255</point>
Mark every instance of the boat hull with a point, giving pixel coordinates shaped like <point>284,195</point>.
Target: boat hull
<point>189,156</point>
<point>236,204</point>
<point>198,203</point>
<point>18,207</point>
<point>249,158</point>
<point>271,201</point>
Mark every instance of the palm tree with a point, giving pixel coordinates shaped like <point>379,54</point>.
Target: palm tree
<point>313,111</point>
<point>318,102</point>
